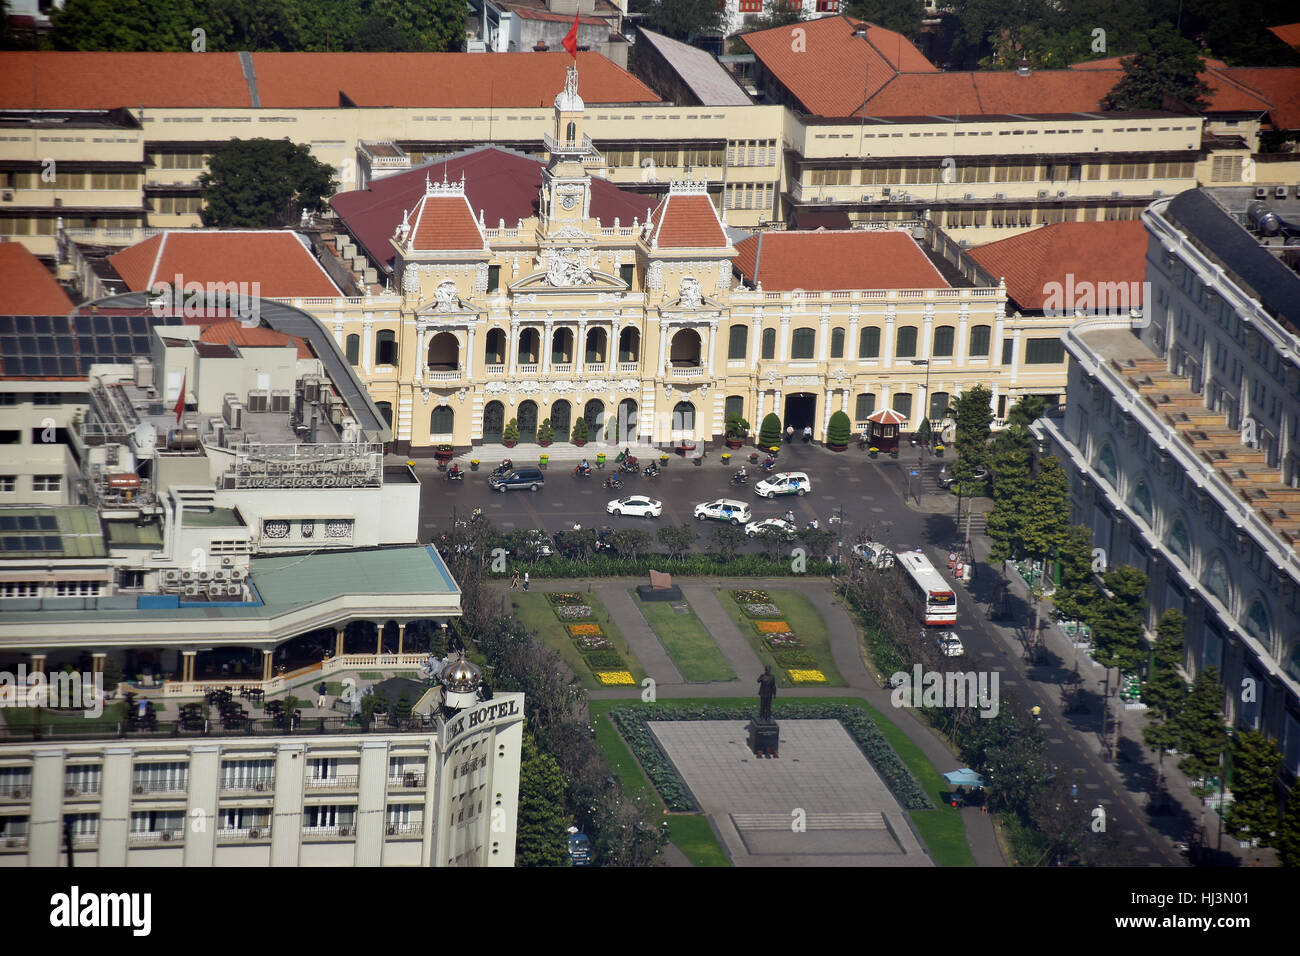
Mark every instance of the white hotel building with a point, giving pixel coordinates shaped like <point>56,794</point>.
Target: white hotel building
<point>1182,440</point>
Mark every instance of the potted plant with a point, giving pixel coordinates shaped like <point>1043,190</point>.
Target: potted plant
<point>580,432</point>
<point>938,451</point>
<point>873,451</point>
<point>769,433</point>
<point>753,457</point>
<point>544,460</point>
<point>473,464</point>
<point>663,460</point>
<point>600,459</point>
<point>443,453</point>
<point>726,458</point>
<point>545,434</point>
<point>894,453</point>
<point>838,431</point>
<point>510,437</point>
<point>737,429</point>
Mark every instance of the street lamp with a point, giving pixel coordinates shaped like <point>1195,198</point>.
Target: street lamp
<point>926,406</point>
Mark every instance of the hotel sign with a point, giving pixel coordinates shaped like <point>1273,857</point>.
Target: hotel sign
<point>475,720</point>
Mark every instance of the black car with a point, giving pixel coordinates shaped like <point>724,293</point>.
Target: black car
<point>530,478</point>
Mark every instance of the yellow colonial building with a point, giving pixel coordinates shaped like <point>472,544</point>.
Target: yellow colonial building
<point>524,291</point>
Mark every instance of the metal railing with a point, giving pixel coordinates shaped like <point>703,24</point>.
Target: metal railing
<point>404,829</point>
<point>100,730</point>
<point>261,785</point>
<point>243,834</point>
<point>156,836</point>
<point>329,833</point>
<point>16,791</point>
<point>143,787</point>
<point>341,782</point>
<point>13,843</point>
<point>410,778</point>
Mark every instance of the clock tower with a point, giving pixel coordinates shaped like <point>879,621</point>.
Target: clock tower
<point>566,181</point>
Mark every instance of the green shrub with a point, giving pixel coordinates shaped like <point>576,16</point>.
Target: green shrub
<point>546,432</point>
<point>795,659</point>
<point>604,660</point>
<point>580,430</point>
<point>511,432</point>
<point>769,433</point>
<point>838,429</point>
<point>737,427</point>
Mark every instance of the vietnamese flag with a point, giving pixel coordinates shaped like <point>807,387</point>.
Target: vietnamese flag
<point>571,39</point>
<point>180,400</point>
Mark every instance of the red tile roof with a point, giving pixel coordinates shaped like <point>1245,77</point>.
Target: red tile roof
<point>1288,34</point>
<point>29,289</point>
<point>51,80</point>
<point>837,260</point>
<point>500,183</point>
<point>687,222</point>
<point>258,336</point>
<point>528,13</point>
<point>1092,252</point>
<point>279,262</point>
<point>1278,86</point>
<point>444,223</point>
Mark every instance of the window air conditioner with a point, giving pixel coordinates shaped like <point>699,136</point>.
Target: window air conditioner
<point>254,834</point>
<point>167,835</point>
<point>1042,194</point>
<point>1279,192</point>
<point>1261,192</point>
<point>139,788</point>
<point>345,831</point>
<point>392,830</point>
<point>70,792</point>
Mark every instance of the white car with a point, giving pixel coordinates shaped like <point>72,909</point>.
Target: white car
<point>950,644</point>
<point>755,528</point>
<point>723,509</point>
<point>784,483</point>
<point>876,556</point>
<point>636,505</point>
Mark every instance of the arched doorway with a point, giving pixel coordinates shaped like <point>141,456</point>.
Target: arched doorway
<point>444,353</point>
<point>494,348</point>
<point>685,349</point>
<point>629,345</point>
<point>595,348</point>
<point>801,411</point>
<point>494,422</point>
<point>625,429</point>
<point>442,424</point>
<point>594,413</point>
<point>386,412</point>
<point>527,418</point>
<point>562,347</point>
<point>561,417</point>
<point>529,347</point>
<point>683,423</point>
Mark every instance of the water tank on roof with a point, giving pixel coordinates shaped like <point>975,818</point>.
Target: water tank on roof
<point>1262,219</point>
<point>143,439</point>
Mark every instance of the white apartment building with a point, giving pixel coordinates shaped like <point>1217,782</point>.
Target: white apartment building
<point>1181,439</point>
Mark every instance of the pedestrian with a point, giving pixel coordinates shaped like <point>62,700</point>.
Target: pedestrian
<point>789,434</point>
<point>514,580</point>
<point>321,702</point>
<point>807,434</point>
<point>525,580</point>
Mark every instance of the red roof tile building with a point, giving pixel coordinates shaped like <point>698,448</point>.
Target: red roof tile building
<point>29,288</point>
<point>531,292</point>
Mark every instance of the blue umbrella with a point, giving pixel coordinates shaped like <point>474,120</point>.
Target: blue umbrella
<point>965,777</point>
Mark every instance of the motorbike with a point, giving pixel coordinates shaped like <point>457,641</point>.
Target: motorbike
<point>739,478</point>
<point>613,481</point>
<point>504,468</point>
<point>651,471</point>
<point>454,474</point>
<point>769,463</point>
<point>629,467</point>
<point>580,472</point>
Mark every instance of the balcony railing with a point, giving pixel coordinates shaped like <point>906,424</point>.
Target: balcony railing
<point>13,843</point>
<point>494,368</point>
<point>243,834</point>
<point>629,366</point>
<point>691,371</point>
<point>85,839</point>
<point>442,375</point>
<point>562,368</point>
<point>414,778</point>
<point>345,782</point>
<point>529,369</point>
<point>90,789</point>
<point>156,836</point>
<point>595,368</point>
<point>329,833</point>
<point>15,791</point>
<point>260,785</point>
<point>405,829</point>
<point>140,788</point>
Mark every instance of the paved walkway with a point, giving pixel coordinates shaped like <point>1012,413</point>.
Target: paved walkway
<point>640,637</point>
<point>726,634</point>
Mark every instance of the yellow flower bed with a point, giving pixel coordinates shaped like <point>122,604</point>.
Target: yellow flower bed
<point>585,630</point>
<point>807,676</point>
<point>615,677</point>
<point>772,627</point>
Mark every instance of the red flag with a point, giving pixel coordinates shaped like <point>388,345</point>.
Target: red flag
<point>180,400</point>
<point>571,38</point>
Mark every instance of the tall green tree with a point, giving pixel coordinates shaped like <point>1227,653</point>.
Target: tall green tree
<point>972,416</point>
<point>1165,691</point>
<point>1287,841</point>
<point>778,13</point>
<point>1202,736</point>
<point>112,25</point>
<point>1076,595</point>
<point>542,828</point>
<point>434,26</point>
<point>677,539</point>
<point>1253,813</point>
<point>1046,523</point>
<point>681,19</point>
<point>1117,622</point>
<point>263,183</point>
<point>1166,66</point>
<point>1012,493</point>
<point>252,25</point>
<point>902,16</point>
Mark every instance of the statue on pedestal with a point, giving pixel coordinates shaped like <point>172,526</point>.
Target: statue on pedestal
<point>766,691</point>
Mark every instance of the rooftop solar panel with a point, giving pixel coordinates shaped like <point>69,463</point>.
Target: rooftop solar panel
<point>47,522</point>
<point>27,523</point>
<point>52,542</point>
<point>8,523</point>
<point>12,542</point>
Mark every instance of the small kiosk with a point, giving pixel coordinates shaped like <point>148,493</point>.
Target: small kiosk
<point>883,428</point>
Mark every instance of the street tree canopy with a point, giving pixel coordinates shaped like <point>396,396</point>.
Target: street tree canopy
<point>263,184</point>
<point>1165,67</point>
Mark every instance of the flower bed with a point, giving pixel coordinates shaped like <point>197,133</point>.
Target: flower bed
<point>614,678</point>
<point>788,659</point>
<point>631,724</point>
<point>593,642</point>
<point>772,627</point>
<point>603,660</point>
<point>807,676</point>
<point>750,596</point>
<point>561,598</point>
<point>573,612</point>
<point>585,630</point>
<point>761,610</point>
<point>783,642</point>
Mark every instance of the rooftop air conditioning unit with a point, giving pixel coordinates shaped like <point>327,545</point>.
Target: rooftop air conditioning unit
<point>192,591</point>
<point>1042,194</point>
<point>234,590</point>
<point>219,575</point>
<point>143,372</point>
<point>1060,194</point>
<point>970,196</point>
<point>172,576</point>
<point>227,561</point>
<point>236,574</point>
<point>1261,192</point>
<point>1116,194</point>
<point>1279,192</point>
<point>205,575</point>
<point>311,389</point>
<point>999,195</point>
<point>187,575</point>
<point>257,401</point>
<point>280,401</point>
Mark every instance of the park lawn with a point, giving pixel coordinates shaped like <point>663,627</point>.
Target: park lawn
<point>536,613</point>
<point>689,832</point>
<point>687,641</point>
<point>807,625</point>
<point>22,718</point>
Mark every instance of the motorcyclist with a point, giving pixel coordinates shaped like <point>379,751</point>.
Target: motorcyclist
<point>1037,712</point>
<point>741,475</point>
<point>454,470</point>
<point>789,517</point>
<point>584,466</point>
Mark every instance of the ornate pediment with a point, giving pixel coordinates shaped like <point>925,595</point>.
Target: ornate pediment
<point>587,280</point>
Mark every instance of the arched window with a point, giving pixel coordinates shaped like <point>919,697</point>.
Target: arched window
<point>386,412</point>
<point>353,348</point>
<point>1217,581</point>
<point>570,132</point>
<point>869,343</point>
<point>906,342</point>
<point>837,343</point>
<point>943,339</point>
<point>980,335</point>
<point>1178,541</point>
<point>866,405</point>
<point>442,421</point>
<point>1106,465</point>
<point>735,407</point>
<point>1140,502</point>
<point>769,343</point>
<point>802,343</point>
<point>939,403</point>
<point>903,404</point>
<point>737,341</point>
<point>386,347</point>
<point>683,417</point>
<point>1256,623</point>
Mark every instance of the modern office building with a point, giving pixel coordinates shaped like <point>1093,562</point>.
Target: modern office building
<point>1180,434</point>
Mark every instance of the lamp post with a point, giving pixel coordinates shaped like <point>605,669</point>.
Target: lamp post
<point>926,407</point>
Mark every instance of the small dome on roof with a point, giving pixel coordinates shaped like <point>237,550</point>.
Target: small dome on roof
<point>460,676</point>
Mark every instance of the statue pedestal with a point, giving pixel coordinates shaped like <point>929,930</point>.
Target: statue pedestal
<point>764,737</point>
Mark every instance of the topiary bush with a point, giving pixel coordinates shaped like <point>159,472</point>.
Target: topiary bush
<point>580,431</point>
<point>839,429</point>
<point>511,432</point>
<point>769,433</point>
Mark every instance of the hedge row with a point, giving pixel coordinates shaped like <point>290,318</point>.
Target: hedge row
<point>631,723</point>
<point>696,565</point>
<point>603,659</point>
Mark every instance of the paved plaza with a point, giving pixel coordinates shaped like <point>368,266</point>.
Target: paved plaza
<point>850,817</point>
